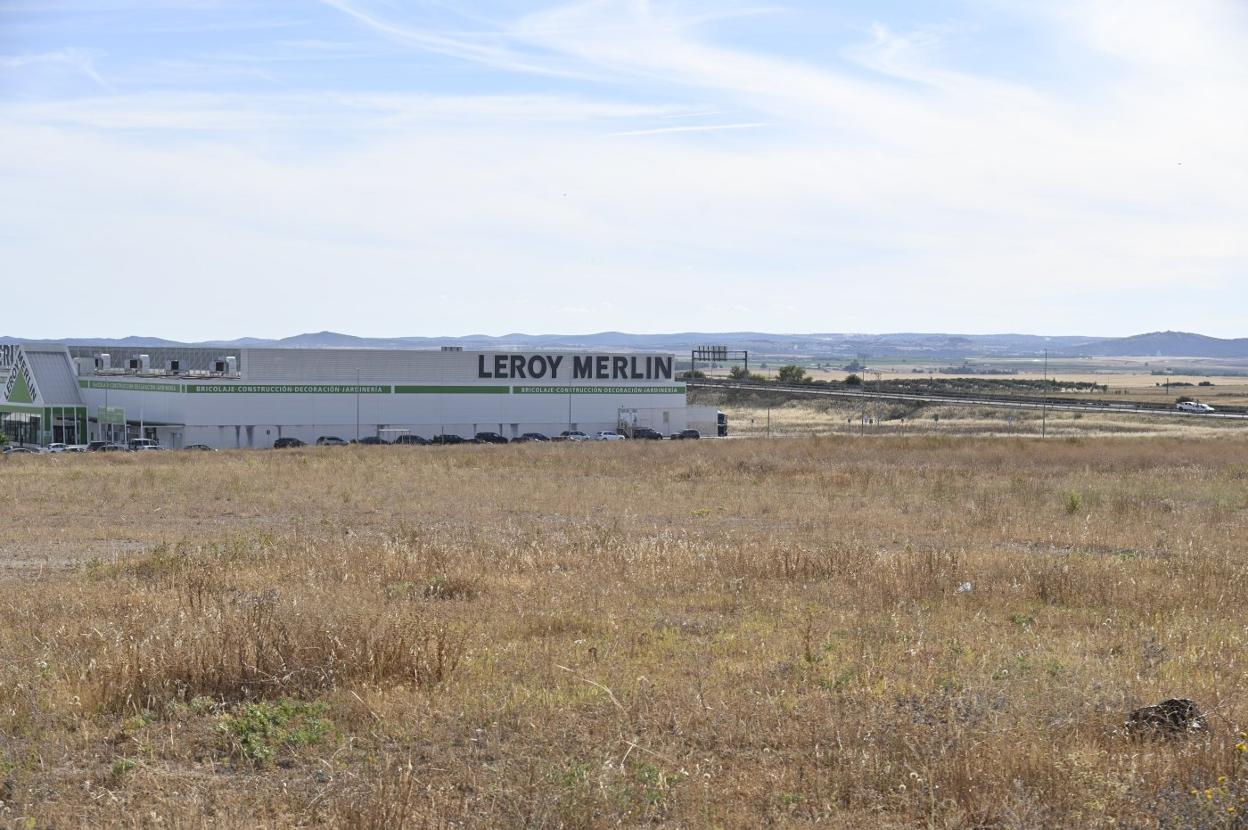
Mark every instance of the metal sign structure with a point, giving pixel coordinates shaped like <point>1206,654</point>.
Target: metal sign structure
<point>717,354</point>
<point>115,415</point>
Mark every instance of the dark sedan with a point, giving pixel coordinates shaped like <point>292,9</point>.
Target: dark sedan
<point>488,438</point>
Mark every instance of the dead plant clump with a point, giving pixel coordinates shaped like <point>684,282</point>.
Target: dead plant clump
<point>931,631</point>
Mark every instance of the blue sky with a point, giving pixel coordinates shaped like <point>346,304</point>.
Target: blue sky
<point>218,168</point>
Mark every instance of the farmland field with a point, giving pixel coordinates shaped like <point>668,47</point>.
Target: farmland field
<point>934,630</point>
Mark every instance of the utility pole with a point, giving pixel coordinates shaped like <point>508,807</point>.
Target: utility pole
<point>862,419</point>
<point>1044,407</point>
<point>879,390</point>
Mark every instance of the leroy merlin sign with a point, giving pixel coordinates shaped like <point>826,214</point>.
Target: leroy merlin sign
<point>20,386</point>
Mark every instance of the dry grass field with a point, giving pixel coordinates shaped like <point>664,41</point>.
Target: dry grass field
<point>930,631</point>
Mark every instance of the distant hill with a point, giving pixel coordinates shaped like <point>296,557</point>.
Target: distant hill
<point>1168,344</point>
<point>829,346</point>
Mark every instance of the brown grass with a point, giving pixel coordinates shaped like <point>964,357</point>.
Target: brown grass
<point>719,634</point>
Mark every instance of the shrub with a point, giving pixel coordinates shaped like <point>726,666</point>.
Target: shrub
<point>792,374</point>
<point>853,380</point>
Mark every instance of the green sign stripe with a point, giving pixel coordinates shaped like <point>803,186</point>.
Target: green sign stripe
<point>343,389</point>
<point>599,390</point>
<point>286,389</point>
<point>452,390</point>
<point>129,387</point>
<point>11,407</point>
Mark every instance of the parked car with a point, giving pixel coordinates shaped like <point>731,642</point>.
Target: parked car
<point>373,441</point>
<point>199,447</point>
<point>572,435</point>
<point>287,443</point>
<point>411,439</point>
<point>137,444</point>
<point>647,434</point>
<point>607,435</point>
<point>488,438</point>
<point>530,436</point>
<point>330,441</point>
<point>75,448</point>
<point>93,446</point>
<point>1193,406</point>
<point>21,451</point>
<point>56,446</point>
<point>111,447</point>
<point>447,438</point>
<point>686,434</point>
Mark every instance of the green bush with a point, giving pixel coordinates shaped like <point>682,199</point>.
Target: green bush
<point>792,374</point>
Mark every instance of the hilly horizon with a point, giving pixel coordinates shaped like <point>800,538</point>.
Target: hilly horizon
<point>899,344</point>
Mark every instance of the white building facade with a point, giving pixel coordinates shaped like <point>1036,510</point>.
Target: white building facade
<point>250,397</point>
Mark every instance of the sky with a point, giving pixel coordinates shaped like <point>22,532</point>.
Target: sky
<point>210,169</point>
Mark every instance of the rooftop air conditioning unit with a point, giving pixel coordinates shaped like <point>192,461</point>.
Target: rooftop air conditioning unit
<point>103,361</point>
<point>231,366</point>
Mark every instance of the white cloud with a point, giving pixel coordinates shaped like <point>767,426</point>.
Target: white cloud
<point>77,59</point>
<point>899,194</point>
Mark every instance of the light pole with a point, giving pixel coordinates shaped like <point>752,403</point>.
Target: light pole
<point>357,404</point>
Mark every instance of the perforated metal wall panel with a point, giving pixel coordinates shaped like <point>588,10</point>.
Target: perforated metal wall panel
<point>54,375</point>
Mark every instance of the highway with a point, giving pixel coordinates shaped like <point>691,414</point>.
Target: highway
<point>1003,402</point>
